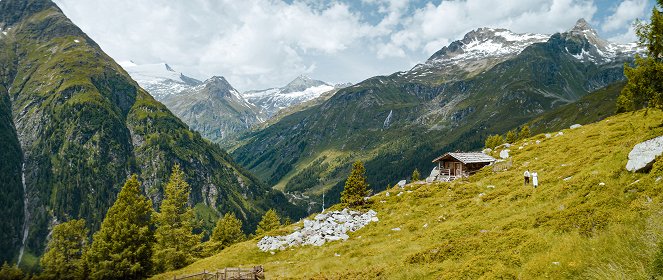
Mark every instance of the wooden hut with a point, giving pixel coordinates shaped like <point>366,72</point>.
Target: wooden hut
<point>455,165</point>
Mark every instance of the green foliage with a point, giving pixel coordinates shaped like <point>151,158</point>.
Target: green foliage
<point>269,222</point>
<point>511,136</point>
<point>524,132</point>
<point>65,250</point>
<point>11,272</point>
<point>645,81</point>
<point>228,230</point>
<point>416,175</point>
<point>355,188</point>
<point>494,140</point>
<point>175,241</point>
<point>122,248</point>
<point>657,168</point>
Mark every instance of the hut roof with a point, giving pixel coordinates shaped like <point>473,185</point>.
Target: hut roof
<point>466,157</point>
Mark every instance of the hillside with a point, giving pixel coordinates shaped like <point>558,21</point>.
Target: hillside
<point>74,126</point>
<point>396,123</point>
<point>590,218</point>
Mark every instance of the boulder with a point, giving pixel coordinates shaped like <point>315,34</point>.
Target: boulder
<point>575,126</point>
<point>504,154</point>
<point>642,155</point>
<point>402,183</point>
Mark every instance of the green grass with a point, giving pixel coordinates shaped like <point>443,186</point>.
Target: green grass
<point>491,226</point>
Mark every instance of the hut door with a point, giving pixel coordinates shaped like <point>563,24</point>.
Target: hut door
<point>458,168</point>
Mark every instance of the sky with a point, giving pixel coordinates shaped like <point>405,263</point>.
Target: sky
<point>258,44</point>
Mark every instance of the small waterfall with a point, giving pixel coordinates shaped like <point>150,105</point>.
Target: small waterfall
<point>387,121</point>
<point>25,215</point>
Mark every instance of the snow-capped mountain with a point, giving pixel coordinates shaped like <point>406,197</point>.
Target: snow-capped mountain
<point>300,90</point>
<point>159,79</point>
<point>214,108</point>
<point>483,48</point>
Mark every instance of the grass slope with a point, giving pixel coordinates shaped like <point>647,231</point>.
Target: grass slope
<point>491,226</point>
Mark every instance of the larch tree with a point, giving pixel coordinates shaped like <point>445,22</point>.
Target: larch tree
<point>416,175</point>
<point>122,248</point>
<point>228,230</point>
<point>524,132</point>
<point>175,240</point>
<point>356,187</point>
<point>63,258</point>
<point>270,221</point>
<point>644,88</point>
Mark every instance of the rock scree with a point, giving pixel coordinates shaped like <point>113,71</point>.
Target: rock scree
<point>643,154</point>
<point>324,227</point>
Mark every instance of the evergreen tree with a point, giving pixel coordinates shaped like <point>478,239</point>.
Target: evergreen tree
<point>511,136</point>
<point>355,188</point>
<point>415,175</point>
<point>64,254</point>
<point>122,248</point>
<point>175,241</point>
<point>494,140</point>
<point>228,230</point>
<point>524,132</point>
<point>11,272</point>
<point>270,221</point>
<point>645,81</point>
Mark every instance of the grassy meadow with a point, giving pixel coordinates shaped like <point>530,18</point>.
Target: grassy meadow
<point>589,219</point>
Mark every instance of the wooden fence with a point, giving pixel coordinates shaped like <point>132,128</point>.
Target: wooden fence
<point>502,165</point>
<point>229,273</point>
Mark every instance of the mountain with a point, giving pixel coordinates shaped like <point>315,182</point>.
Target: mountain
<point>300,90</point>
<point>589,218</point>
<point>160,80</point>
<point>397,123</point>
<point>74,126</point>
<point>214,108</point>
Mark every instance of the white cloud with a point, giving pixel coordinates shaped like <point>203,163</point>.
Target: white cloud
<point>624,15</point>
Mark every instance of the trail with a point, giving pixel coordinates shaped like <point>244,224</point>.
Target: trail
<point>25,215</point>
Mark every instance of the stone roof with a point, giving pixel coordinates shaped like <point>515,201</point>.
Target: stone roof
<point>466,157</point>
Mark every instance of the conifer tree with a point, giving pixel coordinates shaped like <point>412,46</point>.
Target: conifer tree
<point>511,136</point>
<point>524,132</point>
<point>175,241</point>
<point>415,175</point>
<point>228,230</point>
<point>122,248</point>
<point>355,188</point>
<point>270,221</point>
<point>644,88</point>
<point>494,140</point>
<point>11,272</point>
<point>64,254</point>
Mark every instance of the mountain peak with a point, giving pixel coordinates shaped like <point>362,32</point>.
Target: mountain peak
<point>219,87</point>
<point>301,83</point>
<point>582,25</point>
<point>168,67</point>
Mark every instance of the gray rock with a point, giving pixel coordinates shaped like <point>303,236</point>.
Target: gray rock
<point>504,154</point>
<point>642,156</point>
<point>402,183</point>
<point>575,126</point>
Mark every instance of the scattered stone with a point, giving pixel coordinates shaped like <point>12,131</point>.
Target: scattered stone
<point>325,227</point>
<point>520,148</point>
<point>408,191</point>
<point>483,231</point>
<point>642,155</point>
<point>481,194</point>
<point>399,194</point>
<point>567,178</point>
<point>425,225</point>
<point>555,263</point>
<point>575,126</point>
<point>337,255</point>
<point>504,154</point>
<point>402,183</point>
<point>559,134</point>
<point>386,194</point>
<point>658,179</point>
<point>601,184</point>
<point>490,187</point>
<point>548,135</point>
<point>383,201</point>
<point>538,142</point>
<point>396,229</point>
<point>487,151</point>
<point>636,181</point>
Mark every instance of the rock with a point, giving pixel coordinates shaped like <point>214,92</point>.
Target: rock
<point>490,186</point>
<point>487,150</point>
<point>559,134</point>
<point>386,194</point>
<point>567,178</point>
<point>538,142</point>
<point>504,154</point>
<point>402,183</point>
<point>601,184</point>
<point>520,148</point>
<point>548,135</point>
<point>575,126</point>
<point>642,155</point>
<point>396,229</point>
<point>399,194</point>
<point>425,225</point>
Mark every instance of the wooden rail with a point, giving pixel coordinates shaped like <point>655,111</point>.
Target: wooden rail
<point>228,273</point>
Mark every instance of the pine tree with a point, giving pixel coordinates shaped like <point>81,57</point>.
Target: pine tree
<point>11,272</point>
<point>122,248</point>
<point>175,241</point>
<point>64,254</point>
<point>645,82</point>
<point>270,221</point>
<point>524,132</point>
<point>228,230</point>
<point>511,136</point>
<point>355,188</point>
<point>494,140</point>
<point>415,175</point>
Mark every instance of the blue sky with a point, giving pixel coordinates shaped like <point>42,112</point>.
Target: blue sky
<point>266,43</point>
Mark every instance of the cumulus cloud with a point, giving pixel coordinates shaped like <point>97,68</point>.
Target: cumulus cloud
<point>624,15</point>
<point>266,43</point>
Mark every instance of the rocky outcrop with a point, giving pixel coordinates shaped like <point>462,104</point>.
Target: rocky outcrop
<point>642,156</point>
<point>326,227</point>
